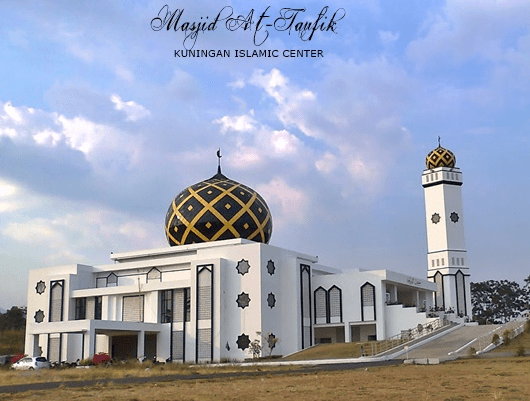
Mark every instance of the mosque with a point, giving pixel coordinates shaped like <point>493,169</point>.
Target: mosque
<point>219,286</point>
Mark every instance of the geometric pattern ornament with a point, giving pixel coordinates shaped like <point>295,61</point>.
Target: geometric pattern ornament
<point>271,300</point>
<point>454,217</point>
<point>435,218</point>
<point>40,287</point>
<point>243,341</point>
<point>270,267</point>
<point>243,300</point>
<point>242,267</point>
<point>39,316</point>
<point>217,209</point>
<point>440,157</point>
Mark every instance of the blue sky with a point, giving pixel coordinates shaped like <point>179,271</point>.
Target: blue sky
<point>101,126</point>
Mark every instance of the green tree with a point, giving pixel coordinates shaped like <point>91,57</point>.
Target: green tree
<point>14,318</point>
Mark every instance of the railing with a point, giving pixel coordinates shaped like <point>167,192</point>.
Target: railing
<point>377,347</point>
<point>485,342</point>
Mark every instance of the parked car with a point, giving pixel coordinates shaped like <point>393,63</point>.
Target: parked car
<point>30,363</point>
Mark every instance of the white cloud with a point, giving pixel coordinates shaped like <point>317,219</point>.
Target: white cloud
<point>327,163</point>
<point>469,29</point>
<point>290,203</point>
<point>12,113</point>
<point>133,110</point>
<point>242,123</point>
<point>47,137</point>
<point>284,143</point>
<point>388,37</point>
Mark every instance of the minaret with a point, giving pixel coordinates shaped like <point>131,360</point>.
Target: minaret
<point>447,263</point>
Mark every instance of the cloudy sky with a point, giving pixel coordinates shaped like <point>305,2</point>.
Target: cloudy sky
<point>101,126</point>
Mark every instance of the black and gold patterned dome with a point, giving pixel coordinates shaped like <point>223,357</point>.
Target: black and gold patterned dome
<point>440,157</point>
<point>216,209</point>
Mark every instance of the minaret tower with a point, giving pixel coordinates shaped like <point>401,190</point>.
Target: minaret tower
<point>447,263</point>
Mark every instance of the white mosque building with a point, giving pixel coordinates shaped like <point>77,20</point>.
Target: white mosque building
<point>219,285</point>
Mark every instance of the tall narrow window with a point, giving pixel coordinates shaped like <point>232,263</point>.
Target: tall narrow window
<point>460,294</point>
<point>56,300</point>
<point>80,308</point>
<point>335,304</point>
<point>305,298</point>
<point>166,306</point>
<point>204,325</point>
<point>321,305</point>
<point>98,308</point>
<point>368,302</point>
<point>439,280</point>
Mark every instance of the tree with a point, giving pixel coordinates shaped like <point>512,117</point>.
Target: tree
<point>499,301</point>
<point>13,319</point>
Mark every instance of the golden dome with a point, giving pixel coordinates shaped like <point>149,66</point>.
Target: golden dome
<point>440,157</point>
<point>216,209</point>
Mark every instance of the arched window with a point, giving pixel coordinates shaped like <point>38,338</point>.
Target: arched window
<point>321,305</point>
<point>460,293</point>
<point>154,275</point>
<point>335,304</point>
<point>56,301</point>
<point>368,302</point>
<point>305,298</point>
<point>112,280</point>
<point>204,334</point>
<point>439,280</point>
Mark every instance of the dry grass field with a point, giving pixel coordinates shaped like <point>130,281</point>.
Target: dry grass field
<point>492,377</point>
<point>468,379</point>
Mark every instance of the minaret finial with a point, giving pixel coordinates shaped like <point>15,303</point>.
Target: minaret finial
<point>439,142</point>
<point>219,161</point>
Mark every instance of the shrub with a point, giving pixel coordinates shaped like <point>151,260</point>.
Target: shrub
<point>507,337</point>
<point>100,358</point>
<point>520,351</point>
<point>472,351</point>
<point>495,339</point>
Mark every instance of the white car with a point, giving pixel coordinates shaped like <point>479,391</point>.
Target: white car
<point>30,363</point>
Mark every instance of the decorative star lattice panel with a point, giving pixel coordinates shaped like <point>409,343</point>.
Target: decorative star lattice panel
<point>440,157</point>
<point>243,300</point>
<point>39,316</point>
<point>435,218</point>
<point>271,300</point>
<point>243,341</point>
<point>242,267</point>
<point>270,267</point>
<point>217,209</point>
<point>40,287</point>
<point>454,217</point>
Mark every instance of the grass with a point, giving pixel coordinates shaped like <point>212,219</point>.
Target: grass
<point>468,379</point>
<point>327,351</point>
<point>522,340</point>
<point>129,369</point>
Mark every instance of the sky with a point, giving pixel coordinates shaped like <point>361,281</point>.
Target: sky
<point>101,126</point>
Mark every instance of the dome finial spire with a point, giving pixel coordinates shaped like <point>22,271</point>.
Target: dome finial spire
<point>219,161</point>
<point>439,142</point>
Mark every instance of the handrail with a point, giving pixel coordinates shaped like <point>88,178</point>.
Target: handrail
<point>406,336</point>
<point>484,341</point>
